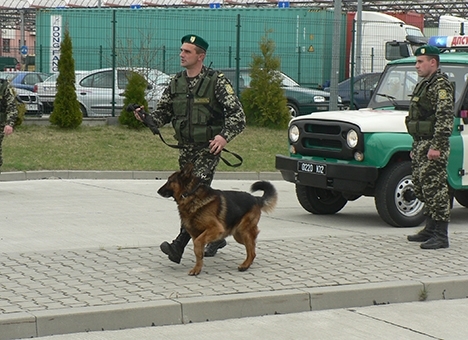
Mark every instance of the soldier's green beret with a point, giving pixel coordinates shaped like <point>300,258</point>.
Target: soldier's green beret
<point>195,40</point>
<point>427,50</point>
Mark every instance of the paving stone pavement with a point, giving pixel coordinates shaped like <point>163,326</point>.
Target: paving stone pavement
<point>58,291</point>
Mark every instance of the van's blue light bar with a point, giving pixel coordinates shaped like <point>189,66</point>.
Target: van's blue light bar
<point>449,41</point>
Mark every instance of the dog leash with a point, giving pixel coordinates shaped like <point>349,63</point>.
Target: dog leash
<point>154,129</point>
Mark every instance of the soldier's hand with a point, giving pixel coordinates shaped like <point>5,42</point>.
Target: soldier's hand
<point>137,113</point>
<point>8,130</point>
<point>433,154</point>
<point>217,144</point>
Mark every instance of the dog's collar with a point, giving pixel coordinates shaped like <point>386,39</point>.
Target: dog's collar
<point>191,192</point>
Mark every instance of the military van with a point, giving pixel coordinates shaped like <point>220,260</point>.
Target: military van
<point>339,156</point>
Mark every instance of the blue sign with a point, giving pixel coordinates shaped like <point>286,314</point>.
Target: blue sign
<point>24,50</point>
<point>283,4</point>
<point>215,5</point>
<point>135,6</point>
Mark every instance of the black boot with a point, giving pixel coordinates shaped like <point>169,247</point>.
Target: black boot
<point>175,249</point>
<point>424,234</point>
<point>440,239</point>
<point>212,248</point>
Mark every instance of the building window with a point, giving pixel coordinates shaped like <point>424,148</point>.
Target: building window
<point>6,45</point>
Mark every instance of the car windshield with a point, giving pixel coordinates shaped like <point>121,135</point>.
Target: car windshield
<point>53,77</point>
<point>289,82</point>
<point>158,78</point>
<point>399,81</point>
<point>7,75</point>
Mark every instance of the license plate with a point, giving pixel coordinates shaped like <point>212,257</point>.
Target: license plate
<point>314,168</point>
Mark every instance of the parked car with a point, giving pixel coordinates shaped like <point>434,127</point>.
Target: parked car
<point>363,86</point>
<point>301,100</point>
<point>24,80</point>
<point>31,100</point>
<point>9,64</point>
<point>94,89</point>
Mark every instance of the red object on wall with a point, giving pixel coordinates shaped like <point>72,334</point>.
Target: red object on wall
<point>411,18</point>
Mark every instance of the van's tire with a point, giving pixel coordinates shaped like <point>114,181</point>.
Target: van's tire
<point>320,201</point>
<point>392,205</point>
<point>462,197</point>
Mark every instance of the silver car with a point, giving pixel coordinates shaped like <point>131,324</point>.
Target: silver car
<point>31,100</point>
<point>94,89</point>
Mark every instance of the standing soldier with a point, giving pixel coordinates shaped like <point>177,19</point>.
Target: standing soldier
<point>430,123</point>
<point>8,112</point>
<point>205,114</point>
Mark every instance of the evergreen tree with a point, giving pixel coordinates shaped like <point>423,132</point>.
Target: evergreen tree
<point>264,101</point>
<point>66,113</point>
<point>134,94</point>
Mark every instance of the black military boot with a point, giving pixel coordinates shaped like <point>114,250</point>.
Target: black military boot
<point>424,234</point>
<point>212,248</point>
<point>175,249</point>
<point>440,239</point>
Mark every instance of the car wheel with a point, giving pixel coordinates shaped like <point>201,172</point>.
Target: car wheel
<point>293,110</point>
<point>83,110</point>
<point>391,198</point>
<point>320,201</point>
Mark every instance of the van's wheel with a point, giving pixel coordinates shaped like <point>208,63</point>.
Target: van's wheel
<point>393,197</point>
<point>320,201</point>
<point>462,197</point>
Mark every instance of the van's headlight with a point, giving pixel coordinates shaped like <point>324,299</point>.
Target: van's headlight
<point>293,133</point>
<point>352,138</point>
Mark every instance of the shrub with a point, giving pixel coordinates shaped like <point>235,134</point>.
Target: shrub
<point>66,113</point>
<point>264,101</point>
<point>134,94</point>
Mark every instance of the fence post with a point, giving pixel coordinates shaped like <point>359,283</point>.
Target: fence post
<point>238,26</point>
<point>113,61</point>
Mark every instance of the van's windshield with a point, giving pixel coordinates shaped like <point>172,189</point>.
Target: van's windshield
<point>400,80</point>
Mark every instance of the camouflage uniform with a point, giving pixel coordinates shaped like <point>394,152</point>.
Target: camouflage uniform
<point>8,110</point>
<point>430,176</point>
<point>199,153</point>
<point>430,122</point>
<point>234,123</point>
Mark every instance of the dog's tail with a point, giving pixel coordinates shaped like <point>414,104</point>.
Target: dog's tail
<point>268,201</point>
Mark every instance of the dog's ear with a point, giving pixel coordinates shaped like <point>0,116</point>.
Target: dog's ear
<point>187,170</point>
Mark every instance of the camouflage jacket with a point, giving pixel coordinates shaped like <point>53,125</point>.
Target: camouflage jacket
<point>234,117</point>
<point>8,108</point>
<point>440,95</point>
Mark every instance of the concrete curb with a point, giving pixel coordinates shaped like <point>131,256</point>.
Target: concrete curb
<point>144,175</point>
<point>200,309</point>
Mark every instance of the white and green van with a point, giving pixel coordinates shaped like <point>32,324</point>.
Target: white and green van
<point>339,156</point>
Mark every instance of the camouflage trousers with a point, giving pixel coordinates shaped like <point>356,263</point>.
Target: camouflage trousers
<point>430,181</point>
<point>203,160</point>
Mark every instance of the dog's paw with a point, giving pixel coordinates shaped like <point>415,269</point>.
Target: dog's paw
<point>242,268</point>
<point>195,271</point>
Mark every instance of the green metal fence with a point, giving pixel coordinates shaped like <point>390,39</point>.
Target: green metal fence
<point>150,37</point>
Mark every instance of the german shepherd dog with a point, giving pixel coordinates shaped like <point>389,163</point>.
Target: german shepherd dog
<point>209,215</point>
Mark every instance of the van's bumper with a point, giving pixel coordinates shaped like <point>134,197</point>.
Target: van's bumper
<point>336,176</point>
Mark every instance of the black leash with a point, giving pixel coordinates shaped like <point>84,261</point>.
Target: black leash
<point>148,121</point>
